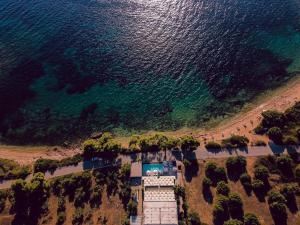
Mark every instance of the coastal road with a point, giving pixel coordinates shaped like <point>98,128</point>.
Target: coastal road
<point>199,154</point>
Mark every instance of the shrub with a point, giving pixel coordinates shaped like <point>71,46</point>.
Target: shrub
<point>275,134</point>
<point>235,141</point>
<point>251,219</point>
<point>260,143</point>
<point>43,165</point>
<point>71,161</point>
<point>275,196</point>
<point>297,173</point>
<point>213,145</point>
<point>222,188</point>
<point>261,173</point>
<point>233,222</point>
<point>194,219</point>
<point>10,169</point>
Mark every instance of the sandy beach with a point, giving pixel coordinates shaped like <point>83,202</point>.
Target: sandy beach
<point>242,123</point>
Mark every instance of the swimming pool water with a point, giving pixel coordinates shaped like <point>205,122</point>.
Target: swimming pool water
<point>152,167</point>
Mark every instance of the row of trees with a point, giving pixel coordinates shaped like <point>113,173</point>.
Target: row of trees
<point>28,199</point>
<point>107,146</point>
<point>280,127</point>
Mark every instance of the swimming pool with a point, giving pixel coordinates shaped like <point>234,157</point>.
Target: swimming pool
<point>152,167</point>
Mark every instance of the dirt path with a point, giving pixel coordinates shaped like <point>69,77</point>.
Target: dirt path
<point>28,154</point>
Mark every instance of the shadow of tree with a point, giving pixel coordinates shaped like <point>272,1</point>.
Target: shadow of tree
<point>207,195</point>
<point>191,170</point>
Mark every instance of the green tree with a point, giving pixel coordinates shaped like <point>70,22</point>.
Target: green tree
<point>261,173</point>
<point>235,206</point>
<point>236,166</point>
<point>276,196</point>
<point>251,219</point>
<point>106,146</point>
<point>246,181</point>
<point>259,187</point>
<point>272,118</point>
<point>275,134</point>
<point>188,144</point>
<point>222,188</point>
<point>284,164</point>
<point>278,212</point>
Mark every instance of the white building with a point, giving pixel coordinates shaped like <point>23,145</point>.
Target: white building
<point>159,205</point>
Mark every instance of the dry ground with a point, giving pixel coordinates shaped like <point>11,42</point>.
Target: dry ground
<point>110,208</point>
<point>251,203</point>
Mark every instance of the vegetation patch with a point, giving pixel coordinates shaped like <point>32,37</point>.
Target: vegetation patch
<point>282,128</point>
<point>10,169</point>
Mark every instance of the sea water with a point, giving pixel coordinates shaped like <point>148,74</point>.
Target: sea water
<point>72,67</point>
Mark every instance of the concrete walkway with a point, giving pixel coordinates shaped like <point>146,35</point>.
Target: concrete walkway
<point>270,149</point>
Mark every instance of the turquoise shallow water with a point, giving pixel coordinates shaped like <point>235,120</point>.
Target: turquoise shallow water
<point>72,67</point>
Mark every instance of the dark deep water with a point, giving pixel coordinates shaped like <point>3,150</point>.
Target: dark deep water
<point>74,66</point>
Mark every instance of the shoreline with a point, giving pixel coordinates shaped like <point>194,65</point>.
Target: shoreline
<point>241,123</point>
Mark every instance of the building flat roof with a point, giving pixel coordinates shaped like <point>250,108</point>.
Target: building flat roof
<point>136,169</point>
<point>155,181</point>
<point>164,213</point>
